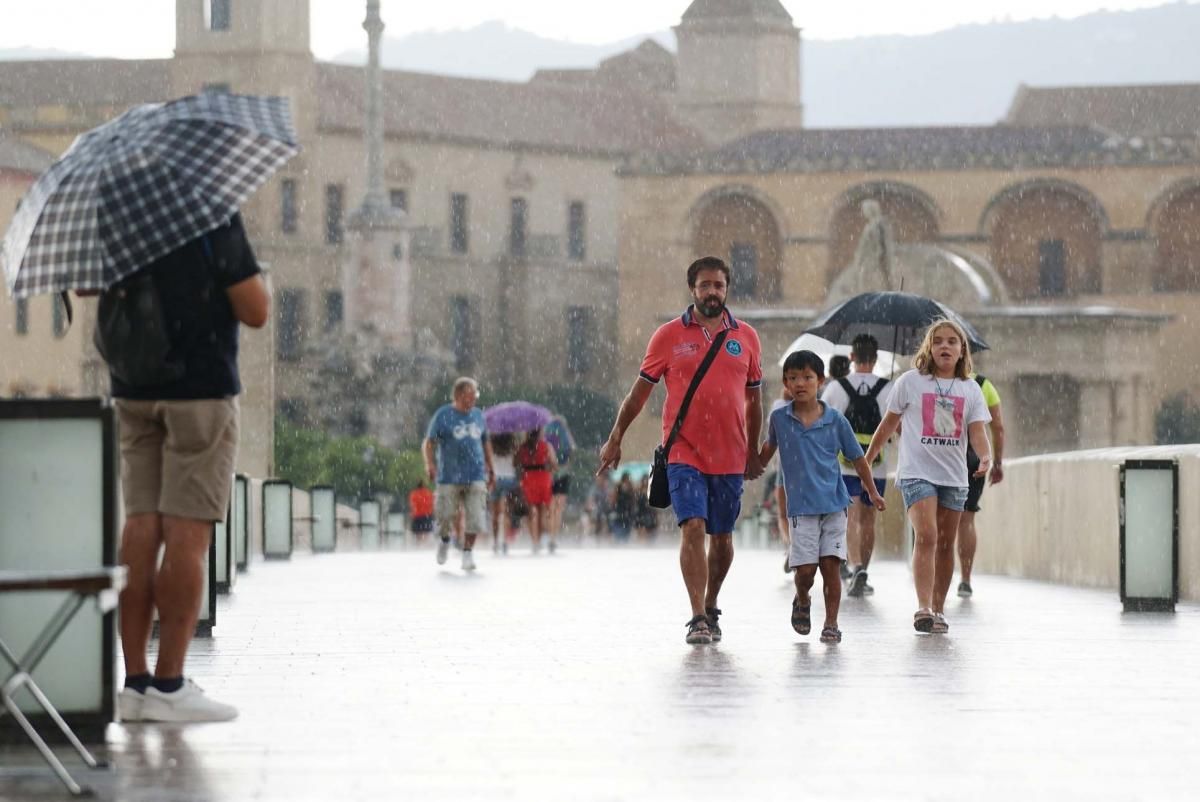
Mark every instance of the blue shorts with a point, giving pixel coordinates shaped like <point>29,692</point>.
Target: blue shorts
<point>913,490</point>
<point>855,489</point>
<point>503,486</point>
<point>717,498</point>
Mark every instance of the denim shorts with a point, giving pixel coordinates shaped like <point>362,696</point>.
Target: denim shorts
<point>913,490</point>
<point>717,498</point>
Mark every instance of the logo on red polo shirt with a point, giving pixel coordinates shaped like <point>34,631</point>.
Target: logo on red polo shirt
<point>733,347</point>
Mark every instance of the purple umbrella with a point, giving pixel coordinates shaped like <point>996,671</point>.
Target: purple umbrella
<point>516,416</point>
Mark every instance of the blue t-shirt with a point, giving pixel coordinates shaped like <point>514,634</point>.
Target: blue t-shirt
<point>808,459</point>
<point>459,436</point>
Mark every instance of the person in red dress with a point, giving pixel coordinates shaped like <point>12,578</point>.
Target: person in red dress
<point>536,464</point>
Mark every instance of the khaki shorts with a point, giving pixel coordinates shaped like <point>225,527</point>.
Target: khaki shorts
<point>177,456</point>
<point>472,498</point>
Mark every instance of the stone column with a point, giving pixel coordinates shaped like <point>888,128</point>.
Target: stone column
<point>377,273</point>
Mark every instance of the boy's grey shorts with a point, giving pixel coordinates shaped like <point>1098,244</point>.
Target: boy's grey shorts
<point>816,536</point>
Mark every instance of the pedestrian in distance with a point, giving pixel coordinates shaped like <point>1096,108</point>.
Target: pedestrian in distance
<point>503,451</point>
<point>178,442</point>
<point>420,510</point>
<point>967,538</point>
<point>598,505</point>
<point>939,409</point>
<point>862,397</point>
<point>717,443</point>
<point>811,436</point>
<point>839,367</point>
<point>647,516</point>
<point>624,507</point>
<point>458,457</point>
<point>536,464</point>
<point>561,488</point>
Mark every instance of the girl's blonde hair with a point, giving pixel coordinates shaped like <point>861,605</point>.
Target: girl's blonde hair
<point>923,361</point>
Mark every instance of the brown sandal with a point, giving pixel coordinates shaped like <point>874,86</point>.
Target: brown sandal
<point>801,616</point>
<point>923,620</point>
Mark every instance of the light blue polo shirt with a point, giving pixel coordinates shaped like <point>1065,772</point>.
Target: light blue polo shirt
<point>808,459</point>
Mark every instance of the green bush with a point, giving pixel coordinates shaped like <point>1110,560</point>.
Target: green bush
<point>356,467</point>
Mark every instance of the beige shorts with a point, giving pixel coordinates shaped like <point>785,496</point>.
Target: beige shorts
<point>472,498</point>
<point>177,456</point>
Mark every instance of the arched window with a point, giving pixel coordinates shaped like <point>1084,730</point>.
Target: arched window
<point>1045,240</point>
<point>1176,230</point>
<point>742,231</point>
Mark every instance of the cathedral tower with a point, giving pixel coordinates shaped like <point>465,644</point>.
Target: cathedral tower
<point>739,67</point>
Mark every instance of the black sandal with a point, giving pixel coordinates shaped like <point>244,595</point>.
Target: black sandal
<point>801,616</point>
<point>698,630</point>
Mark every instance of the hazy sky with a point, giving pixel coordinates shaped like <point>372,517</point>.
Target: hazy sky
<point>145,28</point>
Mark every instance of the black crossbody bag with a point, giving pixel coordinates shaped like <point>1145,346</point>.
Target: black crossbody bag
<point>659,493</point>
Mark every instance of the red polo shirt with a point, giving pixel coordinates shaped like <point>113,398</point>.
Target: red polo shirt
<point>713,437</point>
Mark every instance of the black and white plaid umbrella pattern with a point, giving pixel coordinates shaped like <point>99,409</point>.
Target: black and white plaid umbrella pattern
<point>140,186</point>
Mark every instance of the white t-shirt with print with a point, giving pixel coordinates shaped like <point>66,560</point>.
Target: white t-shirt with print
<point>835,396</point>
<point>934,416</point>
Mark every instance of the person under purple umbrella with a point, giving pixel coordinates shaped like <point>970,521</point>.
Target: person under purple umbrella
<point>516,416</point>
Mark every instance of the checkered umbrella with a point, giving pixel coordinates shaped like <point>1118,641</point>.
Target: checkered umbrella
<point>140,186</point>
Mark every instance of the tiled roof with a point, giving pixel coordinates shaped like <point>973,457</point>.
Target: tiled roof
<point>756,9</point>
<point>84,82</point>
<point>1126,110</point>
<point>16,154</point>
<point>582,119</point>
<point>952,148</point>
<point>649,66</point>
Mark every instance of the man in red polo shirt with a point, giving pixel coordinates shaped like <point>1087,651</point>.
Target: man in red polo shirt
<point>718,444</point>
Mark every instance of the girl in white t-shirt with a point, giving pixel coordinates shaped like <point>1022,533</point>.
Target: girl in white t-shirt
<point>941,409</point>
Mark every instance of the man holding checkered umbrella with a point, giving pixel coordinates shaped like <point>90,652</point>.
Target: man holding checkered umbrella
<point>143,210</point>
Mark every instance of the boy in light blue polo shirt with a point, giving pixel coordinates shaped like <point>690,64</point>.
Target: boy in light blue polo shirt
<point>809,436</point>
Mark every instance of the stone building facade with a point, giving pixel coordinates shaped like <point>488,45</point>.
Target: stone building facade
<point>549,222</point>
<point>1091,233</point>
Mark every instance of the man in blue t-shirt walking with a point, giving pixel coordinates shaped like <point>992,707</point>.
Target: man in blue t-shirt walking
<point>458,457</point>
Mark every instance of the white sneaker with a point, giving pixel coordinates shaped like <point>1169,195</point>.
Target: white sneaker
<point>129,705</point>
<point>186,704</point>
<point>468,561</point>
<point>443,551</point>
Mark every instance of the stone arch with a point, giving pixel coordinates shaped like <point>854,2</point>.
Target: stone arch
<point>1173,222</point>
<point>742,226</point>
<point>913,213</point>
<point>1045,238</point>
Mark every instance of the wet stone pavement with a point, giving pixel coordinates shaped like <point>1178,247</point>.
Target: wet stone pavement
<point>383,676</point>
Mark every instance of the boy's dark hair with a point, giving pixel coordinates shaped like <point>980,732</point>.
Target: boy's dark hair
<point>865,348</point>
<point>799,360</point>
<point>839,366</point>
<point>708,263</point>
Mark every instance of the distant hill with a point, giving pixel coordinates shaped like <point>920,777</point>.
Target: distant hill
<point>491,50</point>
<point>963,75</point>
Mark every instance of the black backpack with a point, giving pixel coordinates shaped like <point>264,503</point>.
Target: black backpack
<point>133,334</point>
<point>863,409</point>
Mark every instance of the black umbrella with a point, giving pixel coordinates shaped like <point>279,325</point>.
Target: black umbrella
<point>899,318</point>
